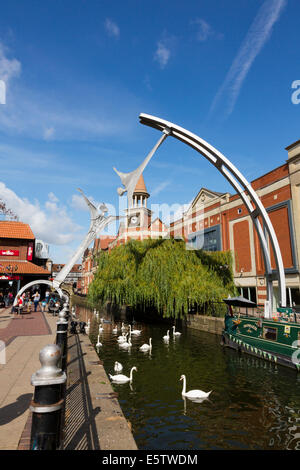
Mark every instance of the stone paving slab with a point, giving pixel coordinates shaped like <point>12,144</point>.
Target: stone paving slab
<point>25,339</point>
<point>94,419</point>
<point>27,324</point>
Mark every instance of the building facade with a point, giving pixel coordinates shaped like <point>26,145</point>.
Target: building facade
<point>74,276</point>
<point>18,264</point>
<point>216,221</point>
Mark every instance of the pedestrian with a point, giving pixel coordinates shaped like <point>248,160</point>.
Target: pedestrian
<point>44,303</point>
<point>47,296</point>
<point>20,304</point>
<point>10,296</point>
<point>29,303</point>
<point>15,305</point>
<point>36,299</point>
<point>6,299</point>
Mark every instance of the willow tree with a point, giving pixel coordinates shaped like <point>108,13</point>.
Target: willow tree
<point>163,274</point>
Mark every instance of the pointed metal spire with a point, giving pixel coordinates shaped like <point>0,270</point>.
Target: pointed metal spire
<point>129,180</point>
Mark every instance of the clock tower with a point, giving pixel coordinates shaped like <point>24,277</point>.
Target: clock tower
<point>138,215</point>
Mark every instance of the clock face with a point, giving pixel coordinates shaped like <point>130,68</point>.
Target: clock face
<point>134,221</point>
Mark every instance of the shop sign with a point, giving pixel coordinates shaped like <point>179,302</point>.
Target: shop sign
<point>5,277</point>
<point>9,252</point>
<point>30,251</point>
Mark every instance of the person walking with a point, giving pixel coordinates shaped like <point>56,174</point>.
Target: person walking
<point>6,299</point>
<point>15,305</point>
<point>44,303</point>
<point>36,299</point>
<point>20,304</point>
<point>10,297</point>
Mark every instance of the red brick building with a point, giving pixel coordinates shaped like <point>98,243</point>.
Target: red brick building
<point>74,276</point>
<point>17,261</point>
<point>217,221</point>
<point>89,261</point>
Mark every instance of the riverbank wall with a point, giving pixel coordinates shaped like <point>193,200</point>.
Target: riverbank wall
<point>204,323</point>
<point>199,322</point>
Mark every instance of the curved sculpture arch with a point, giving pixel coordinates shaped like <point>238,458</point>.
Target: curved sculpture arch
<point>42,281</point>
<point>98,221</point>
<point>243,188</point>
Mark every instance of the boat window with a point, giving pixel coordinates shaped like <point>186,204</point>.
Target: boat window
<point>270,333</point>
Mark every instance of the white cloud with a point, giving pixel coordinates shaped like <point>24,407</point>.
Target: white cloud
<point>259,32</point>
<point>52,197</point>
<point>51,224</point>
<point>160,188</point>
<point>8,67</point>
<point>204,30</point>
<point>91,115</point>
<point>112,28</point>
<point>162,54</point>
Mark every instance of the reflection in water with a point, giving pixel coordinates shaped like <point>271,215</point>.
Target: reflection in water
<point>254,404</point>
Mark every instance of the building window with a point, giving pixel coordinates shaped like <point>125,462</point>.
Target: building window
<point>208,240</point>
<point>270,333</point>
<point>249,293</point>
<point>293,297</point>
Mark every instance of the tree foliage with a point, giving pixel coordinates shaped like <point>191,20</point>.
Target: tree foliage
<point>163,274</point>
<point>8,213</point>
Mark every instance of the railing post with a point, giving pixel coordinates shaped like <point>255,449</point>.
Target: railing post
<point>47,403</point>
<point>62,336</point>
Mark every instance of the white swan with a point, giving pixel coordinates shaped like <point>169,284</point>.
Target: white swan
<point>115,329</point>
<point>122,339</point>
<point>120,378</point>
<point>134,332</point>
<point>126,344</point>
<point>118,367</point>
<point>175,333</point>
<point>146,347</point>
<point>167,336</point>
<point>100,328</point>
<point>98,343</point>
<point>123,327</point>
<point>193,393</point>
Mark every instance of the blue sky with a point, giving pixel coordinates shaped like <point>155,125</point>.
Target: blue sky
<point>78,74</point>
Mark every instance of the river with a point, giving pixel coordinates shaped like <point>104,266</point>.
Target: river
<point>253,405</point>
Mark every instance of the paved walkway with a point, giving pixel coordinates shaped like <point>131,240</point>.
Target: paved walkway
<point>24,337</point>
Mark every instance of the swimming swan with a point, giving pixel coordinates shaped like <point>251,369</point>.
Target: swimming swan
<point>134,332</point>
<point>122,338</point>
<point>115,329</point>
<point>175,333</point>
<point>120,378</point>
<point>146,347</point>
<point>118,367</point>
<point>167,336</point>
<point>126,344</point>
<point>193,393</point>
<point>98,343</point>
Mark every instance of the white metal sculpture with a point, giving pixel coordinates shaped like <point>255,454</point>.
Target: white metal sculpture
<point>98,223</point>
<point>129,180</point>
<point>240,184</point>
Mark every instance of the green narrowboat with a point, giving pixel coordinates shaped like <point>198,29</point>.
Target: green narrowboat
<point>275,339</point>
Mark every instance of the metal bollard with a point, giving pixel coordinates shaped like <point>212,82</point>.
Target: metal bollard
<point>47,403</point>
<point>82,325</point>
<point>62,337</point>
<point>73,329</point>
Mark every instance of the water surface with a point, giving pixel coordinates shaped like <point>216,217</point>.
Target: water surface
<point>253,404</point>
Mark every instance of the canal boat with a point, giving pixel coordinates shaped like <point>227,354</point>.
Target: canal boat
<point>275,339</point>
